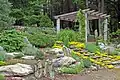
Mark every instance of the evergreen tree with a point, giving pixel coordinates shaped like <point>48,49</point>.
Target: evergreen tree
<point>5,9</point>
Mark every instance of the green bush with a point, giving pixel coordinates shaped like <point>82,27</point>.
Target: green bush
<point>2,55</point>
<point>66,36</point>
<point>91,47</point>
<point>39,39</point>
<point>73,69</point>
<point>2,77</point>
<point>87,63</point>
<point>12,41</point>
<point>32,51</point>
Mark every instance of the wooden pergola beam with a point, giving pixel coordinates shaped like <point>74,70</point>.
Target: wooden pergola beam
<point>94,13</point>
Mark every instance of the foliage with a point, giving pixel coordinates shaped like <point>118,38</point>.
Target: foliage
<point>81,3</point>
<point>12,41</point>
<point>92,47</point>
<point>2,77</point>
<point>32,51</point>
<point>115,36</point>
<point>5,19</point>
<point>39,20</point>
<point>39,39</point>
<point>73,69</point>
<point>2,55</point>
<point>67,36</point>
<point>87,63</point>
<point>81,19</point>
<point>2,63</point>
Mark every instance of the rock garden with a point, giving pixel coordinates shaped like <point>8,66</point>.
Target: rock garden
<point>27,55</point>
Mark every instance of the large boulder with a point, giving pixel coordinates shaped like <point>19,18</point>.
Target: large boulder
<point>58,52</point>
<point>14,55</point>
<point>63,61</point>
<point>17,69</point>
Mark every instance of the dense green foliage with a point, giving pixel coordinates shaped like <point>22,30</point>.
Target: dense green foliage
<point>2,77</point>
<point>41,37</point>
<point>81,19</point>
<point>86,62</point>
<point>91,47</point>
<point>32,51</point>
<point>73,69</point>
<point>30,15</point>
<point>115,36</point>
<point>12,41</point>
<point>5,19</point>
<point>2,55</point>
<point>67,36</point>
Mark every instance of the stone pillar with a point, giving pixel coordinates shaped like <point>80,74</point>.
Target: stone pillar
<point>58,25</point>
<point>105,29</point>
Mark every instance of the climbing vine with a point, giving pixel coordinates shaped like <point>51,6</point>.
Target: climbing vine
<point>80,18</point>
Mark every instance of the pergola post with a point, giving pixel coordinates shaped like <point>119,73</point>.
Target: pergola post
<point>99,25</point>
<point>58,25</point>
<point>86,26</point>
<point>105,28</point>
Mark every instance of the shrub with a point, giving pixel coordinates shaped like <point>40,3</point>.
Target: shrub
<point>87,63</point>
<point>2,77</point>
<point>32,51</point>
<point>67,36</point>
<point>5,19</point>
<point>2,55</point>
<point>92,47</point>
<point>12,41</point>
<point>39,39</point>
<point>73,69</point>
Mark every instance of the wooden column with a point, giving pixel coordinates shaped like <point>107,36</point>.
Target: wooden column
<point>99,25</point>
<point>86,26</point>
<point>105,29</point>
<point>58,25</point>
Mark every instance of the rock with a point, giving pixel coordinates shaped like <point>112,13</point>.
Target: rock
<point>118,46</point>
<point>63,61</point>
<point>58,52</point>
<point>116,63</point>
<point>28,57</point>
<point>14,55</point>
<point>17,69</point>
<point>14,78</point>
<point>110,49</point>
<point>93,68</point>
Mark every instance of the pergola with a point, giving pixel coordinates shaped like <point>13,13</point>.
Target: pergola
<point>89,15</point>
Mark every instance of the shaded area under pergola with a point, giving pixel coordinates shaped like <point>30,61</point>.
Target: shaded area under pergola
<point>89,15</point>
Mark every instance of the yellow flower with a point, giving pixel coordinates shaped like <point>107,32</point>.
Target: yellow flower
<point>57,47</point>
<point>97,52</point>
<point>73,43</point>
<point>77,53</point>
<point>117,58</point>
<point>110,66</point>
<point>85,57</point>
<point>81,45</point>
<point>92,60</point>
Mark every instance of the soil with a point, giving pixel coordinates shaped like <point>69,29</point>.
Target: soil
<point>104,74</point>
